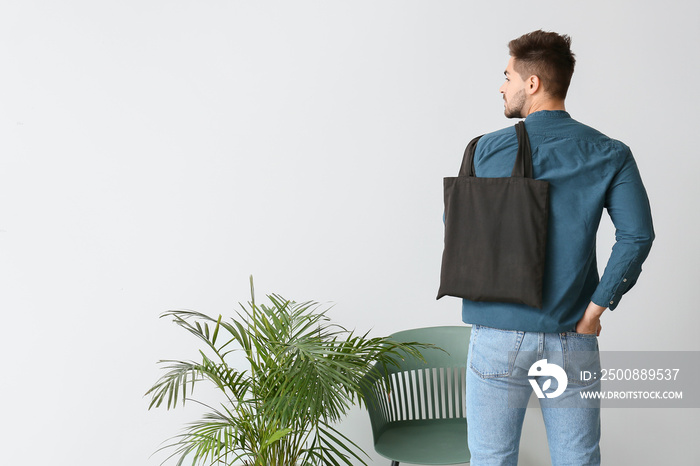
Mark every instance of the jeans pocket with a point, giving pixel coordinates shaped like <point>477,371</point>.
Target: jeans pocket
<point>581,358</point>
<point>492,351</point>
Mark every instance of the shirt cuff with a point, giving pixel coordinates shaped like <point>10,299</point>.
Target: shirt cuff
<point>609,294</point>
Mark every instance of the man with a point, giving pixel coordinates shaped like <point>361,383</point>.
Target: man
<point>587,173</point>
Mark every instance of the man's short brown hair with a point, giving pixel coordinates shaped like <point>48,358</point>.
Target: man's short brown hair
<point>546,55</point>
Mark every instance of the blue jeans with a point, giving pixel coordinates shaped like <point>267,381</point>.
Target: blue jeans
<point>502,376</point>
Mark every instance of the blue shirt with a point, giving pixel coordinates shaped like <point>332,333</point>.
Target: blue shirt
<point>587,172</point>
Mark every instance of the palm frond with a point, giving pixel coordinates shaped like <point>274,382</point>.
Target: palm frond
<point>304,374</point>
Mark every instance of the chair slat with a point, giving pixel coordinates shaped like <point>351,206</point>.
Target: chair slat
<point>412,393</point>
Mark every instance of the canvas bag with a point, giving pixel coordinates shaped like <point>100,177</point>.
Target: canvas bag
<point>495,232</point>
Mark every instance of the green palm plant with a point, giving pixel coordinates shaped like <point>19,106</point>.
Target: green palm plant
<point>302,374</point>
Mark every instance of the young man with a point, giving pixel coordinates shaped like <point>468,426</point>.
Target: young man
<point>587,173</point>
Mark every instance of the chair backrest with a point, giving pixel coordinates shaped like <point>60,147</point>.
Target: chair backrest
<point>422,391</point>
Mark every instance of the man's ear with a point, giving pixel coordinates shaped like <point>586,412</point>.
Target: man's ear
<point>533,84</point>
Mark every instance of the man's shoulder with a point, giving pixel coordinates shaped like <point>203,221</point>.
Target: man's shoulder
<point>503,133</point>
<point>569,128</point>
<point>544,131</point>
<point>501,138</point>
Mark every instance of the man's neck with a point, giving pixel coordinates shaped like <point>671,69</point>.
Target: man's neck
<point>546,104</point>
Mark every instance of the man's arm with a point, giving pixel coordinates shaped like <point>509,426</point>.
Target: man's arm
<point>628,206</point>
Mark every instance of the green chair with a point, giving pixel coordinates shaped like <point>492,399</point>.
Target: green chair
<point>422,417</point>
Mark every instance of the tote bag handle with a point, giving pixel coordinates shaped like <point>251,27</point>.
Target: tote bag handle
<point>523,161</point>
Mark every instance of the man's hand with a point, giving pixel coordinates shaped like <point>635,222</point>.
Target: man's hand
<point>590,322</point>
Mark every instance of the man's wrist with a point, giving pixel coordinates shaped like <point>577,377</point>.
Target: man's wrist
<point>595,310</point>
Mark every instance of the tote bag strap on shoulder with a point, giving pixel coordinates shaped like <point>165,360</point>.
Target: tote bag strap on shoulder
<point>523,162</point>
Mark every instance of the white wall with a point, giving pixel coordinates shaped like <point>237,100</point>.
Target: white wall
<point>154,154</point>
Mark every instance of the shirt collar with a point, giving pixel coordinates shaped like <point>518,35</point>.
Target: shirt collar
<point>547,114</point>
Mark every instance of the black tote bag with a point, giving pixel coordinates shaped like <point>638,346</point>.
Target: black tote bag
<point>495,232</point>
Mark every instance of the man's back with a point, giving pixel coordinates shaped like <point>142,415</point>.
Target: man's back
<point>587,172</point>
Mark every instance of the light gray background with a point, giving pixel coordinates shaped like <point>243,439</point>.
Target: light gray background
<point>154,154</point>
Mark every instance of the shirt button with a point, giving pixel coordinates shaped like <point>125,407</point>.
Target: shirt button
<point>612,302</point>
<point>624,279</point>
